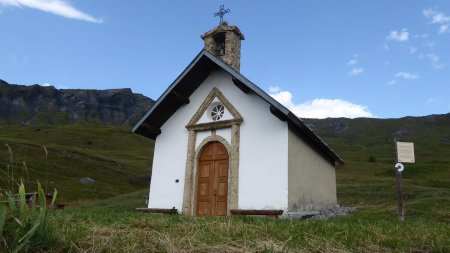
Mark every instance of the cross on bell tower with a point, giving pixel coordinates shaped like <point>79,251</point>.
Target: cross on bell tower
<point>221,13</point>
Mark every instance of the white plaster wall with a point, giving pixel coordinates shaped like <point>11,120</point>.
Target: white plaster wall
<point>263,161</point>
<point>224,133</point>
<point>200,137</point>
<point>168,165</point>
<point>263,164</point>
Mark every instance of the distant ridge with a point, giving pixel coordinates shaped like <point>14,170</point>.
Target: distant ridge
<point>36,104</point>
<point>405,127</point>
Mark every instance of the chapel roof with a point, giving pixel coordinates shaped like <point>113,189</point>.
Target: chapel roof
<point>178,93</point>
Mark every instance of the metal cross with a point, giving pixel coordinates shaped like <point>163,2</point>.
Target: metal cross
<point>221,13</point>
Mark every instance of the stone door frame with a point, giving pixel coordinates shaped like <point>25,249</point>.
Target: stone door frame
<point>206,142</point>
<point>190,182</point>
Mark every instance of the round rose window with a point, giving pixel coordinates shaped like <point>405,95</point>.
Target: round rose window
<point>217,112</point>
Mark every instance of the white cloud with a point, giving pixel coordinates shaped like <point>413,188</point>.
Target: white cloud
<point>274,89</point>
<point>412,50</point>
<point>434,59</point>
<point>58,7</point>
<point>403,75</point>
<point>58,86</point>
<point>352,62</point>
<point>443,28</point>
<point>356,71</point>
<point>406,75</point>
<point>392,82</point>
<point>436,17</point>
<point>439,18</point>
<point>401,36</point>
<point>429,101</point>
<point>321,107</point>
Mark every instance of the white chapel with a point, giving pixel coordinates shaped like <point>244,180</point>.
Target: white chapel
<point>223,146</point>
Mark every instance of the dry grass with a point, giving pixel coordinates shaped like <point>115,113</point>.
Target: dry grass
<point>102,230</point>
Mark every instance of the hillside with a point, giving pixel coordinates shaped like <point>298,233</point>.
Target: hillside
<point>367,145</point>
<point>368,179</point>
<point>117,160</point>
<point>37,105</point>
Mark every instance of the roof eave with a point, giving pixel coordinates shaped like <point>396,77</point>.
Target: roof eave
<point>166,92</point>
<point>315,138</point>
<point>254,88</point>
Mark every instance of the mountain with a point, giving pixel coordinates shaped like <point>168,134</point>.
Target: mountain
<point>100,147</point>
<point>37,105</point>
<point>405,127</point>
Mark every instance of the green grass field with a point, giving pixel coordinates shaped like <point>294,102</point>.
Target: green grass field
<point>102,219</point>
<point>368,178</point>
<point>119,161</point>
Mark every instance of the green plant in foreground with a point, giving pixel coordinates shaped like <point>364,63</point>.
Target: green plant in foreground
<point>23,227</point>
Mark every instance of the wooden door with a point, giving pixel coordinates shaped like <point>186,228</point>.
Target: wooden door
<point>212,183</point>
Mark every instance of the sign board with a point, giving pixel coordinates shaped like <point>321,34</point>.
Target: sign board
<point>405,152</point>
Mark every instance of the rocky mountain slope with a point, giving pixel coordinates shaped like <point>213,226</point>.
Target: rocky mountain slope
<point>35,104</point>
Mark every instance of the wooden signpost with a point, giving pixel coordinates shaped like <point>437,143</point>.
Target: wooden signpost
<point>404,153</point>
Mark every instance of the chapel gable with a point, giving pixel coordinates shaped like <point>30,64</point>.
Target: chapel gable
<point>216,111</point>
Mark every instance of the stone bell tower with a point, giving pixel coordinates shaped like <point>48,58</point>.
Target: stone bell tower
<point>224,42</point>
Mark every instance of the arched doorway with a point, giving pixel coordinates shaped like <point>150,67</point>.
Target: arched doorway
<point>212,181</point>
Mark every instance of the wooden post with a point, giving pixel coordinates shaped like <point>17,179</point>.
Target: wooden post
<point>401,208</point>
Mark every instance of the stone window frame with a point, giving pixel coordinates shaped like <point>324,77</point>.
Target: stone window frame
<point>190,183</point>
<point>214,93</point>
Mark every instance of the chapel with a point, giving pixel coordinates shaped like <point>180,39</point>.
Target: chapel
<point>224,146</point>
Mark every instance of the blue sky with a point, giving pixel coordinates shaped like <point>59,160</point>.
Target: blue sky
<point>319,58</point>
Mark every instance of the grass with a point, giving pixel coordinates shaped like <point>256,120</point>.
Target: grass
<point>366,181</point>
<point>110,225</point>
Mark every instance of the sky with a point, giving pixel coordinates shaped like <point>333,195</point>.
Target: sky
<point>381,59</point>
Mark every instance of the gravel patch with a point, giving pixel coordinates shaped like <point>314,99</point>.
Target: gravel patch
<point>335,211</point>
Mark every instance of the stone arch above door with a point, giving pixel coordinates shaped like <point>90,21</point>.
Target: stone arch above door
<point>212,138</point>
